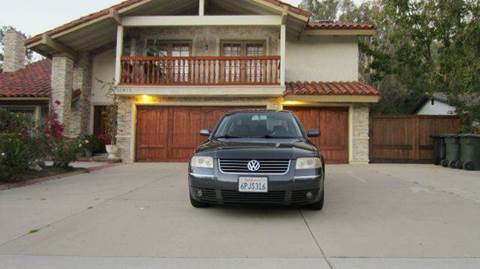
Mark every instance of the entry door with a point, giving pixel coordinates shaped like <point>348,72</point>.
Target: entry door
<point>333,125</point>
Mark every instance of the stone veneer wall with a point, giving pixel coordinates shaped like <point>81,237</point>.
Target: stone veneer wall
<point>206,39</point>
<point>14,50</point>
<point>68,76</point>
<point>360,136</point>
<point>62,84</point>
<point>125,132</point>
<point>80,116</point>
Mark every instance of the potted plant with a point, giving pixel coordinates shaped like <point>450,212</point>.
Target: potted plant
<point>110,119</point>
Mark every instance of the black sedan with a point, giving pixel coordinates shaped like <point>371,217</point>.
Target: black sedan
<point>257,157</point>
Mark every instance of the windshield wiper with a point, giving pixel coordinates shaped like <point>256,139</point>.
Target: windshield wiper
<point>227,136</point>
<point>275,136</point>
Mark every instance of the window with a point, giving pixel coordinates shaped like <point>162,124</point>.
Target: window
<point>243,48</point>
<point>177,70</point>
<point>168,48</point>
<point>250,70</point>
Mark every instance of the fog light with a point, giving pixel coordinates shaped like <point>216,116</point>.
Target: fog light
<point>309,195</point>
<point>199,193</point>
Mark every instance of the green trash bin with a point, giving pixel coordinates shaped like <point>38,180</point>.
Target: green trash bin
<point>470,151</point>
<point>438,149</point>
<point>452,155</point>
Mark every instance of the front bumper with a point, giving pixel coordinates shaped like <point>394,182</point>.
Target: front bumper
<point>289,189</point>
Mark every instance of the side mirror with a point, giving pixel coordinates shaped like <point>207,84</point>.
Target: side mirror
<point>313,133</point>
<point>204,132</point>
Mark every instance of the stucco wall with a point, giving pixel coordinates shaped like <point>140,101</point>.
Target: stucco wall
<point>322,58</point>
<point>103,70</point>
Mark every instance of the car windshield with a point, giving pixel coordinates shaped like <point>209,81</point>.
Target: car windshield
<point>259,125</point>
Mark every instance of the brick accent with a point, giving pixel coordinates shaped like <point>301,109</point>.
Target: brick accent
<point>62,85</point>
<point>360,137</point>
<point>14,50</point>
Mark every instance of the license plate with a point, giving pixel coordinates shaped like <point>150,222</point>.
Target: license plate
<point>253,184</point>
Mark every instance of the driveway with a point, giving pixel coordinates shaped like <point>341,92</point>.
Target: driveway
<point>138,216</point>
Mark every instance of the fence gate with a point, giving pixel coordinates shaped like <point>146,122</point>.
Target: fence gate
<point>407,138</point>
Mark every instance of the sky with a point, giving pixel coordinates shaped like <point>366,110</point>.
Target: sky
<point>37,16</point>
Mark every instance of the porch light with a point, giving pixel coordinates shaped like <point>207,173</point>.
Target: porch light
<point>292,103</point>
<point>145,99</point>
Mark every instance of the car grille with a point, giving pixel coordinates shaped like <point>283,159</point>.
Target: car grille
<point>273,197</point>
<point>266,166</point>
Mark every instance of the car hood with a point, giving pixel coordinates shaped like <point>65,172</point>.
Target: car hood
<point>257,148</point>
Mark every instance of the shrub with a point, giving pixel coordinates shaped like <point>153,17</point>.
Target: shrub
<point>93,144</point>
<point>19,144</point>
<point>65,151</point>
<point>14,123</point>
<point>16,156</point>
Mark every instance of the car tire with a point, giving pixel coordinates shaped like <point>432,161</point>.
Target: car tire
<point>319,204</point>
<point>198,204</point>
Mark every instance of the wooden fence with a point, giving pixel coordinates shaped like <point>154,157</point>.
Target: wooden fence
<point>407,138</point>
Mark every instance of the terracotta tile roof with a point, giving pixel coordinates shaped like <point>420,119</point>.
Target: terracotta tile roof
<point>330,88</point>
<point>129,3</point>
<point>339,25</point>
<point>32,81</point>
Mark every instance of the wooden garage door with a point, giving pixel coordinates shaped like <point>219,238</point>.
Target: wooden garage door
<point>333,125</point>
<point>171,134</point>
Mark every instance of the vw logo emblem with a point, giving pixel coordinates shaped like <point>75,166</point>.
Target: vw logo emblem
<point>253,165</point>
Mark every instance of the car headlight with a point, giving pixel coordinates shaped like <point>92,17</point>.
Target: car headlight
<point>308,163</point>
<point>202,162</point>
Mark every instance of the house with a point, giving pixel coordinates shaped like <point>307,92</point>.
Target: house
<point>435,105</point>
<point>180,65</point>
<point>24,89</point>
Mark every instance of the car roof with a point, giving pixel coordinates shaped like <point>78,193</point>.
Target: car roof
<point>257,111</point>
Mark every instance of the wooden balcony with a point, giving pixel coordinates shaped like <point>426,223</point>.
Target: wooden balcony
<point>200,70</point>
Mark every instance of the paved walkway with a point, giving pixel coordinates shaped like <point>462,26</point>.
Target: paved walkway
<point>138,216</point>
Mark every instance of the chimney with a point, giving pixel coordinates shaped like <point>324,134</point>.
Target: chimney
<point>14,51</point>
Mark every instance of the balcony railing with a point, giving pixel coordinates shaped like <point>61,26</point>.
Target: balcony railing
<point>200,70</point>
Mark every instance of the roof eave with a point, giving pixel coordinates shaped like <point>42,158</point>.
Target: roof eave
<point>340,32</point>
<point>105,14</point>
<point>334,98</point>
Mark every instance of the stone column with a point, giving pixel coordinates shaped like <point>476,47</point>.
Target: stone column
<point>360,136</point>
<point>124,128</point>
<point>14,51</point>
<point>62,85</point>
<point>81,109</point>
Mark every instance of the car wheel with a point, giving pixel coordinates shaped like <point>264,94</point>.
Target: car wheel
<point>198,204</point>
<point>319,204</point>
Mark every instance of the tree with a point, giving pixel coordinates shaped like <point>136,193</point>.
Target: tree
<point>330,10</point>
<point>3,29</point>
<point>421,47</point>
<point>430,46</point>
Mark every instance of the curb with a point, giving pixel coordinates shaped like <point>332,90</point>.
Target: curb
<point>33,181</point>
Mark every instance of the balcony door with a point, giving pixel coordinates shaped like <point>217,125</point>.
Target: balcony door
<point>243,67</point>
<point>173,69</point>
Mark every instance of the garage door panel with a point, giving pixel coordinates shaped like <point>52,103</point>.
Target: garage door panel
<point>333,125</point>
<point>184,122</point>
<point>171,134</point>
<point>152,139</point>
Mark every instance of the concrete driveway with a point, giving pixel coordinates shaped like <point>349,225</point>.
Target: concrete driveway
<point>138,216</point>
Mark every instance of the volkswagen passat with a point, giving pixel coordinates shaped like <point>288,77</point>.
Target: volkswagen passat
<point>257,157</point>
